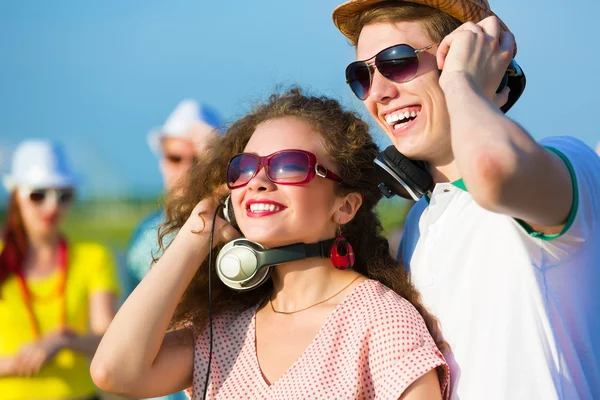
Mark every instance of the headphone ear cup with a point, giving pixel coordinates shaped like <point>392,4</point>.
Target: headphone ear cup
<point>237,265</point>
<point>516,81</point>
<point>413,173</point>
<point>228,213</point>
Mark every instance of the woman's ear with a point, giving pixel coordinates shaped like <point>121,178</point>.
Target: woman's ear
<point>348,209</point>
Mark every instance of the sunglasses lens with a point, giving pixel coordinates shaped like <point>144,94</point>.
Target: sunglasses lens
<point>398,63</point>
<point>289,167</point>
<point>241,169</point>
<point>37,196</point>
<point>359,79</point>
<point>66,196</point>
<point>173,158</point>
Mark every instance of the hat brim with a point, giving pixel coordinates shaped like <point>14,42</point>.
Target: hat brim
<point>8,182</point>
<point>344,15</point>
<point>57,182</point>
<point>154,138</point>
<point>197,133</point>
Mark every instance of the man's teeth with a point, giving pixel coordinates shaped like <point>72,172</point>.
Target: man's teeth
<point>263,207</point>
<point>399,116</point>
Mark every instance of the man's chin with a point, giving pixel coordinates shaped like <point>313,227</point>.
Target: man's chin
<point>410,151</point>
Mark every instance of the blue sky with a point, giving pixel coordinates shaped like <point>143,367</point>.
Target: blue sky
<point>98,76</point>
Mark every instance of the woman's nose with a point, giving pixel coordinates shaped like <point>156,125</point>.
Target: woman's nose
<point>260,181</point>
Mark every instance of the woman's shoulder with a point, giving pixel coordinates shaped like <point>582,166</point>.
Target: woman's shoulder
<point>93,261</point>
<point>400,348</point>
<point>374,302</point>
<point>374,296</point>
<point>88,250</point>
<point>231,324</point>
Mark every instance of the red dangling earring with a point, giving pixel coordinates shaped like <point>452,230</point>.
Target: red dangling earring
<point>342,254</point>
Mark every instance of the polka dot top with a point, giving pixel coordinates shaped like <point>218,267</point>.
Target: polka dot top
<point>373,345</point>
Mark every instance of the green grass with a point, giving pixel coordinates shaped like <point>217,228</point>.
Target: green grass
<point>392,213</point>
<point>108,221</point>
<point>114,234</point>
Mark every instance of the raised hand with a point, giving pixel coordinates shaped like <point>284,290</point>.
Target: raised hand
<point>480,52</point>
<point>201,219</point>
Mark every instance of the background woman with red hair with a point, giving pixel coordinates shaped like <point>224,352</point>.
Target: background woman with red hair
<point>56,297</point>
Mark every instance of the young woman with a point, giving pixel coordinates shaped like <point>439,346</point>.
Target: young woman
<point>300,172</point>
<point>56,297</point>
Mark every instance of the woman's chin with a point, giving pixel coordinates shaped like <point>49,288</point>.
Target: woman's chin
<point>269,240</point>
<point>269,243</point>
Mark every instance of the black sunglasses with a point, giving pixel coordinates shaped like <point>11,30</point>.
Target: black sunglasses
<point>515,79</point>
<point>177,159</point>
<point>398,63</point>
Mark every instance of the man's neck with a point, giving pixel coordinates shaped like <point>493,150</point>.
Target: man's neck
<point>445,173</point>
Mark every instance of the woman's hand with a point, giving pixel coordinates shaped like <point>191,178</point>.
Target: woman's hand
<point>137,357</point>
<point>479,52</point>
<point>200,221</point>
<point>33,357</point>
<point>7,366</point>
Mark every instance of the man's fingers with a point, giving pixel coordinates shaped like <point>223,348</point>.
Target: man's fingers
<point>442,51</point>
<point>507,43</point>
<point>468,34</point>
<point>491,27</point>
<point>501,98</point>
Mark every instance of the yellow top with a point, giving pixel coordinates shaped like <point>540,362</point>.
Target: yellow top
<point>91,270</point>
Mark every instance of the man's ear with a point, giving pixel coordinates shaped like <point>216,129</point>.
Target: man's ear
<point>348,208</point>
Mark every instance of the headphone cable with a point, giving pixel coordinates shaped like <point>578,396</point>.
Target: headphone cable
<point>210,325</point>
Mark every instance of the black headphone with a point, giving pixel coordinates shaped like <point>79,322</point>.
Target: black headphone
<point>410,179</point>
<point>244,265</point>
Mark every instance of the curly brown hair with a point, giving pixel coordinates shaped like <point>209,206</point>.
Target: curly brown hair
<point>349,144</point>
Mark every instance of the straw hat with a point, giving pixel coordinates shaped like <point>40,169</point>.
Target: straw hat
<point>39,164</point>
<point>344,15</point>
<point>187,114</point>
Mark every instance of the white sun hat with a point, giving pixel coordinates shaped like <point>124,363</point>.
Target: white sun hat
<point>38,164</point>
<point>188,113</point>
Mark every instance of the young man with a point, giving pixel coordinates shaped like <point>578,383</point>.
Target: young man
<point>506,248</point>
<point>176,144</point>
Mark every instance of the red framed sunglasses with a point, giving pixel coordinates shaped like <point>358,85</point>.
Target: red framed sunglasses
<point>285,167</point>
<point>398,63</point>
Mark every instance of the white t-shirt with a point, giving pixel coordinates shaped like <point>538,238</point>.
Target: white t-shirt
<point>520,311</point>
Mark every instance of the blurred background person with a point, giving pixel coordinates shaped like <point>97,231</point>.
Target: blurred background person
<point>176,144</point>
<point>56,297</point>
<point>598,148</point>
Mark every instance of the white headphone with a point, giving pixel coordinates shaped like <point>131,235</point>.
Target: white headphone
<point>244,265</point>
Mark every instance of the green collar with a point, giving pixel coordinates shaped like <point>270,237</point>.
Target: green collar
<point>460,184</point>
